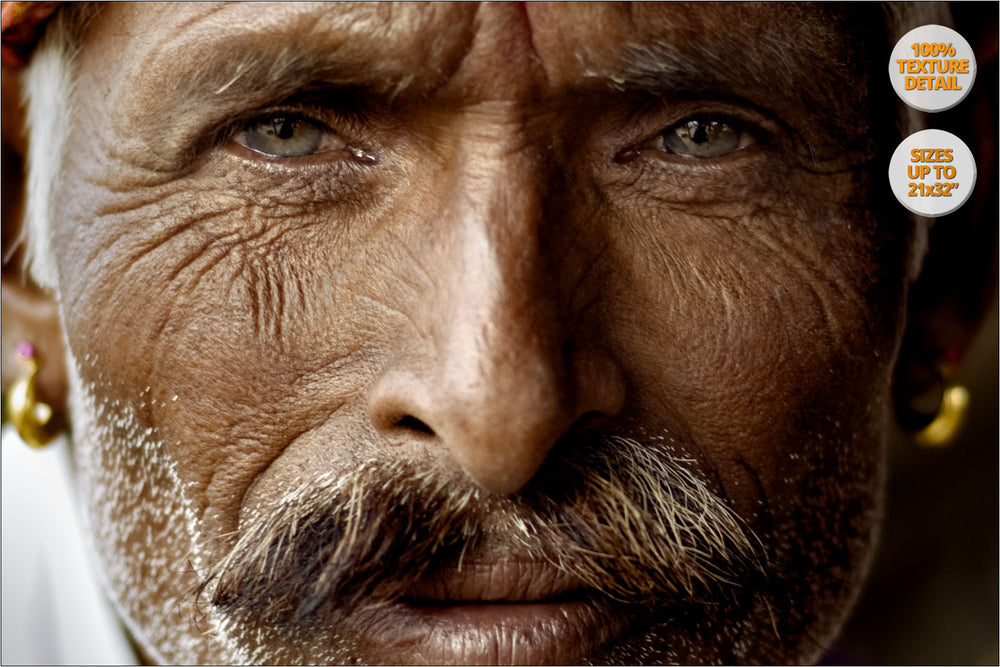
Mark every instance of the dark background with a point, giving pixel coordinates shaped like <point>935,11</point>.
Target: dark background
<point>933,594</point>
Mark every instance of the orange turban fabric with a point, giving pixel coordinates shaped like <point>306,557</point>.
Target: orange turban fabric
<point>23,23</point>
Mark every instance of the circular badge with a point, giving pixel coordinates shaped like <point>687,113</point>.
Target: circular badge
<point>932,173</point>
<point>932,68</point>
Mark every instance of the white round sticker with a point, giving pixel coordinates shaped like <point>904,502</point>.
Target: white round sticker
<point>932,68</point>
<point>932,173</point>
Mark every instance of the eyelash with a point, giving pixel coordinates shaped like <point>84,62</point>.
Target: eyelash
<point>648,145</point>
<point>758,129</point>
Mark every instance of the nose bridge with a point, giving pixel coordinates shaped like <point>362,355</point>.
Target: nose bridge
<point>498,375</point>
<point>492,385</point>
<point>495,212</point>
<point>503,388</point>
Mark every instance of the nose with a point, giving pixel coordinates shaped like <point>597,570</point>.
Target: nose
<point>501,374</point>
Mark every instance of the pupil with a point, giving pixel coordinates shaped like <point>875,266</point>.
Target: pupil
<point>700,135</point>
<point>283,128</point>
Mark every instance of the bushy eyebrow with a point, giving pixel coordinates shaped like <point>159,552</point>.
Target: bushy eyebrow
<point>824,88</point>
<point>246,70</point>
<point>356,47</point>
<point>666,69</point>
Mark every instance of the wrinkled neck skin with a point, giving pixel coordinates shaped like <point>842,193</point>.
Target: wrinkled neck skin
<point>484,239</point>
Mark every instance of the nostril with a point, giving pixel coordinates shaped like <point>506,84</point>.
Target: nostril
<point>413,424</point>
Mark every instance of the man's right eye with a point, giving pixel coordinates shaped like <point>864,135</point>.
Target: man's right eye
<point>288,136</point>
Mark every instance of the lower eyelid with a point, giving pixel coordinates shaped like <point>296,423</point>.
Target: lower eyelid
<point>343,157</point>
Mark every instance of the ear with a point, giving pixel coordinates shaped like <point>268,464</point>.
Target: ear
<point>958,282</point>
<point>28,313</point>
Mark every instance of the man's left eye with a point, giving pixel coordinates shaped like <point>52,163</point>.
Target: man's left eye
<point>703,138</point>
<point>287,136</point>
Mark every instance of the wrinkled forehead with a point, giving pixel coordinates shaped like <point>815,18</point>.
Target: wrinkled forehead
<point>790,54</point>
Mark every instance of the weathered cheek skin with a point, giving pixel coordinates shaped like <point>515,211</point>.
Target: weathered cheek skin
<point>218,334</point>
<point>776,334</point>
<point>236,326</point>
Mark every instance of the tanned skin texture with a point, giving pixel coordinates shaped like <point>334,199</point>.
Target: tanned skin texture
<point>495,264</point>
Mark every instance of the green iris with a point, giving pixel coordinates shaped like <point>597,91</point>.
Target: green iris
<point>702,138</point>
<point>283,136</point>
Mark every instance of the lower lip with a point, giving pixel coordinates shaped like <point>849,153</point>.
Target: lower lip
<point>543,632</point>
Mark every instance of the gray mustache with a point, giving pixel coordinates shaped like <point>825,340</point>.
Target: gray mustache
<point>629,521</point>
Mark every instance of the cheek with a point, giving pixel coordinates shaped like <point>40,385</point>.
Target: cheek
<point>140,522</point>
<point>226,329</point>
<point>774,336</point>
<point>759,341</point>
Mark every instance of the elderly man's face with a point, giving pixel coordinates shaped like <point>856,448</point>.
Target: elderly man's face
<point>478,333</point>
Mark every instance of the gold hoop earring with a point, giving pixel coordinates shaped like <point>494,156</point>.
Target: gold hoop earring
<point>941,431</point>
<point>32,418</point>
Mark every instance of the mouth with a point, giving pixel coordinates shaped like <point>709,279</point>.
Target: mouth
<point>501,613</point>
<point>397,563</point>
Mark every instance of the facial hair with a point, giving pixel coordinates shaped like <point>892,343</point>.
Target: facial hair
<point>629,521</point>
